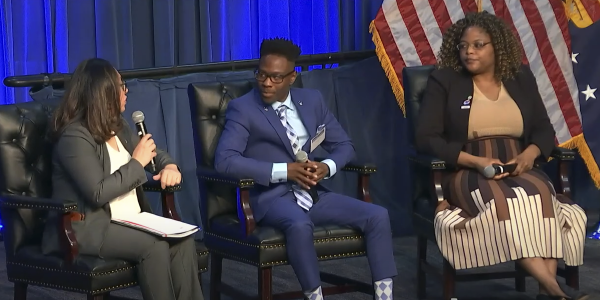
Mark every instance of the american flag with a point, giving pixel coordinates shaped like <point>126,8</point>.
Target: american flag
<point>584,29</point>
<point>409,33</point>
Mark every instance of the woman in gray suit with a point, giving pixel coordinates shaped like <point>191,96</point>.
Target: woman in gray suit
<point>100,162</point>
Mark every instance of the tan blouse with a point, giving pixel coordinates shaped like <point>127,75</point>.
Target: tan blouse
<point>491,118</point>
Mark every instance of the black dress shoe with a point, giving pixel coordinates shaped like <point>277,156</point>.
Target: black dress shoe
<point>575,294</point>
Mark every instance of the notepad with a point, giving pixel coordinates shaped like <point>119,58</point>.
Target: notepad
<point>157,225</point>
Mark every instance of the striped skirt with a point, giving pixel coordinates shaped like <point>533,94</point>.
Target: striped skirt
<point>484,222</point>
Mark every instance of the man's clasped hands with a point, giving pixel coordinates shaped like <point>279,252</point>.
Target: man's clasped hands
<point>307,174</point>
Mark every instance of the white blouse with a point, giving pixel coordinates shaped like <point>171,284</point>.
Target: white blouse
<point>127,203</point>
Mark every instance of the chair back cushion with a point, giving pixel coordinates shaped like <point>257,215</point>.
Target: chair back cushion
<point>25,166</point>
<point>414,80</point>
<point>208,104</point>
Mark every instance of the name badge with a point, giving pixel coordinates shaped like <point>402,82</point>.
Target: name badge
<point>467,103</point>
<point>318,138</point>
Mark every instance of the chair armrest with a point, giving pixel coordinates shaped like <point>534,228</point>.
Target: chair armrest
<point>167,198</point>
<point>436,166</point>
<point>356,167</point>
<point>154,186</point>
<point>564,157</point>
<point>364,172</point>
<point>428,161</point>
<point>27,202</point>
<point>243,196</point>
<point>67,213</point>
<point>563,153</point>
<point>214,176</point>
<point>360,168</point>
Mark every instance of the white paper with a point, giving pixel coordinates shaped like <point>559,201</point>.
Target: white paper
<point>157,225</point>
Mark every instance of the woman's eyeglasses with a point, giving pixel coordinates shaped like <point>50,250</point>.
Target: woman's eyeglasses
<point>477,45</point>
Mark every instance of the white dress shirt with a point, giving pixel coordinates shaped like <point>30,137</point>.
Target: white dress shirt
<point>127,203</point>
<point>279,171</point>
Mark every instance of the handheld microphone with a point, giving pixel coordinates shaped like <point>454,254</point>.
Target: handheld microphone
<point>138,119</point>
<point>496,169</point>
<point>302,157</point>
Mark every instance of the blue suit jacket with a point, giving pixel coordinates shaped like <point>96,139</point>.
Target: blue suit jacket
<point>254,138</point>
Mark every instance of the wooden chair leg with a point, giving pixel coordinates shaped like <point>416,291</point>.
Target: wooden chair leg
<point>20,292</point>
<point>216,268</point>
<point>572,276</point>
<point>449,275</point>
<point>520,278</point>
<point>421,260</point>
<point>104,296</point>
<point>265,283</point>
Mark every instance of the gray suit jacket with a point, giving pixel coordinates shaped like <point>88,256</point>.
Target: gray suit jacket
<point>81,173</point>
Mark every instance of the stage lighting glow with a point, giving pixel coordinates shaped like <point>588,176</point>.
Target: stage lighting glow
<point>596,234</point>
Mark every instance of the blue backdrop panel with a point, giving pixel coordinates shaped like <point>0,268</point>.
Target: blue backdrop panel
<point>179,135</point>
<point>362,99</point>
<point>144,96</point>
<point>39,36</point>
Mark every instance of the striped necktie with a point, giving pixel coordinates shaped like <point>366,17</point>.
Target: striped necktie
<point>302,196</point>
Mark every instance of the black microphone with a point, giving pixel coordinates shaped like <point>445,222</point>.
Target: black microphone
<point>138,119</point>
<point>496,169</point>
<point>302,157</point>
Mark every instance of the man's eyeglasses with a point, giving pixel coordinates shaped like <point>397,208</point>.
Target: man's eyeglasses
<point>477,45</point>
<point>275,78</point>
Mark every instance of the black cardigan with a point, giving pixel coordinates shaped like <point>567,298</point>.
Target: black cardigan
<point>442,126</point>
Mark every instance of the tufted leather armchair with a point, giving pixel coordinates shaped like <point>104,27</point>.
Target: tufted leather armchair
<point>428,192</point>
<point>25,188</point>
<point>230,229</point>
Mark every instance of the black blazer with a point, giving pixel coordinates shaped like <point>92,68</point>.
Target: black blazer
<point>442,126</point>
<point>81,172</point>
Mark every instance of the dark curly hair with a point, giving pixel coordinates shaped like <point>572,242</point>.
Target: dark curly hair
<point>280,46</point>
<point>507,51</point>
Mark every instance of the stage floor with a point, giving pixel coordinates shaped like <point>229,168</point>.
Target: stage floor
<point>404,286</point>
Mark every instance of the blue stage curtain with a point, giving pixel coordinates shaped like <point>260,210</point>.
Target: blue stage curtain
<point>45,36</point>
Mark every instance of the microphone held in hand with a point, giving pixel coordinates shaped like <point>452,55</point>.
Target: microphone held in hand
<point>495,169</point>
<point>302,157</point>
<point>140,126</point>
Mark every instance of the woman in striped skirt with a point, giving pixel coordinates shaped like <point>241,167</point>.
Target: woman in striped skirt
<point>482,107</point>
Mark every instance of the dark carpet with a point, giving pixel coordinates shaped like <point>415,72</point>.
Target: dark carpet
<point>245,277</point>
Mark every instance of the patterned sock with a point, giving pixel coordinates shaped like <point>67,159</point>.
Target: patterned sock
<point>383,289</point>
<point>316,294</point>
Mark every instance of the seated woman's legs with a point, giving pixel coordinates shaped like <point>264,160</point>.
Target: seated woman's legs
<point>184,269</point>
<point>552,265</point>
<point>160,272</point>
<point>544,271</point>
<point>539,268</point>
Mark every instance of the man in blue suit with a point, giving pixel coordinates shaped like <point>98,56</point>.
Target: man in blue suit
<point>264,130</point>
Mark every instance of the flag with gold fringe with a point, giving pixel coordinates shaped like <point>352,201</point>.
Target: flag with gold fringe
<point>584,29</point>
<point>409,33</point>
